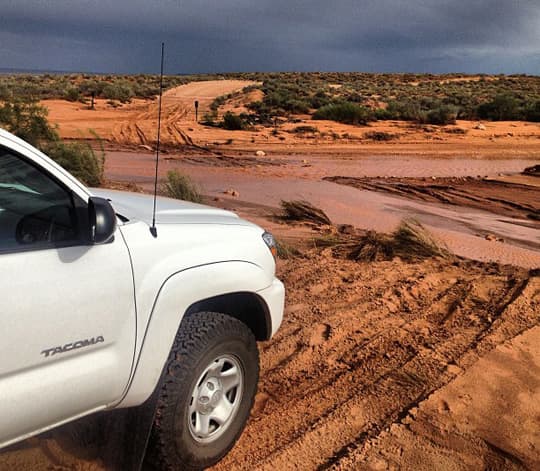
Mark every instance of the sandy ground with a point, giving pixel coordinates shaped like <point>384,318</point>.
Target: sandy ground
<point>384,365</point>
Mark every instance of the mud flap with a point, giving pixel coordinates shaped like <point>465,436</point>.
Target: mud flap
<point>118,438</point>
<point>128,432</point>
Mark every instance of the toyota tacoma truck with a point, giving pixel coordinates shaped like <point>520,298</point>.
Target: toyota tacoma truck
<point>98,312</point>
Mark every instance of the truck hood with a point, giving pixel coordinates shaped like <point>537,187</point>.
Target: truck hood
<point>168,211</point>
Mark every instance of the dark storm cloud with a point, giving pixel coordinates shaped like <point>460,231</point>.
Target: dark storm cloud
<point>238,35</point>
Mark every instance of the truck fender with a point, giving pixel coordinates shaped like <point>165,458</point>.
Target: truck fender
<point>175,296</point>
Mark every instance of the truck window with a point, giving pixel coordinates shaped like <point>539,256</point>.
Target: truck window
<point>36,212</point>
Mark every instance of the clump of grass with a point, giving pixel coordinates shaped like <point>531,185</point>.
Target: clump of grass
<point>380,136</point>
<point>181,187</point>
<point>372,247</point>
<point>286,251</point>
<point>410,241</point>
<point>303,211</point>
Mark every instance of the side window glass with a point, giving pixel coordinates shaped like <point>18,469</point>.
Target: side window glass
<point>35,210</point>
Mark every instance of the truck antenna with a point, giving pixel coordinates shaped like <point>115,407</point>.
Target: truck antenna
<point>153,229</point>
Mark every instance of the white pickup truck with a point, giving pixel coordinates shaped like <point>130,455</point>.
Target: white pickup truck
<point>97,314</point>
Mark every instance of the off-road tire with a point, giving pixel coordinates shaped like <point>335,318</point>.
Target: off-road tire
<point>201,338</point>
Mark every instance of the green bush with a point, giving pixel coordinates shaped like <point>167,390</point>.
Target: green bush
<point>233,122</point>
<point>79,159</point>
<point>503,107</point>
<point>120,91</point>
<point>181,187</point>
<point>73,94</point>
<point>348,113</point>
<point>532,113</point>
<point>27,121</point>
<point>444,114</point>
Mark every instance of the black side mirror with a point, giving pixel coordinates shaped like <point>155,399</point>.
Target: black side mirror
<point>102,219</point>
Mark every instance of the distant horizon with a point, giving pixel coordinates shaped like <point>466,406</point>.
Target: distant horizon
<point>32,71</point>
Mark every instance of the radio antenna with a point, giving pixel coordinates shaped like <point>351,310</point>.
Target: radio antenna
<point>153,229</point>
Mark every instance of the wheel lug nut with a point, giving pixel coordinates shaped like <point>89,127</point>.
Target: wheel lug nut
<point>210,386</point>
<point>204,399</point>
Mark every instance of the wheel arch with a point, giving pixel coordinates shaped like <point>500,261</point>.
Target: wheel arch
<point>221,287</point>
<point>247,307</point>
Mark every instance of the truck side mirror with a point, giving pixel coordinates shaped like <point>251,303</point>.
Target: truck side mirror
<point>102,220</point>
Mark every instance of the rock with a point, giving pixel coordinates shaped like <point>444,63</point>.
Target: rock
<point>534,170</point>
<point>494,238</point>
<point>480,127</point>
<point>231,192</point>
<point>260,153</point>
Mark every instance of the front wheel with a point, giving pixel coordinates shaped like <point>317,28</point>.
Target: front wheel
<point>207,392</point>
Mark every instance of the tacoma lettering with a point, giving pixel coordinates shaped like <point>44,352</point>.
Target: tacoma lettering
<point>72,346</point>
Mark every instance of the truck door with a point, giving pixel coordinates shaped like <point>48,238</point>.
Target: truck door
<point>67,311</point>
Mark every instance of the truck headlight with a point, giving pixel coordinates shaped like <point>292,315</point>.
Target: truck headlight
<point>270,242</point>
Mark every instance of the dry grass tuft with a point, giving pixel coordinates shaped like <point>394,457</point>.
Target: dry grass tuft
<point>410,241</point>
<point>286,251</point>
<point>303,211</point>
<point>181,187</point>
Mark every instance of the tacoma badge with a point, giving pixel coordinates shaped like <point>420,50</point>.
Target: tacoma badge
<point>72,346</point>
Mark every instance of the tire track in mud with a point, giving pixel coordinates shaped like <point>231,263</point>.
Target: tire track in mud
<point>363,344</point>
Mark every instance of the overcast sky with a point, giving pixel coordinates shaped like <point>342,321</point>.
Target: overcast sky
<point>124,36</point>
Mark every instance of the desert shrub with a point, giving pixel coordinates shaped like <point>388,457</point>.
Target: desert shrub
<point>120,91</point>
<point>233,122</point>
<point>72,94</point>
<point>181,187</point>
<point>320,99</point>
<point>444,114</point>
<point>503,107</point>
<point>27,121</point>
<point>303,211</point>
<point>532,112</point>
<point>79,159</point>
<point>383,114</point>
<point>348,113</point>
<point>380,136</point>
<point>406,110</point>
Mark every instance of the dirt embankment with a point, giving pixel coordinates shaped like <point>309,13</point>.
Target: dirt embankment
<point>367,349</point>
<point>508,199</point>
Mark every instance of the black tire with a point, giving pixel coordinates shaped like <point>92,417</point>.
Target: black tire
<point>202,338</point>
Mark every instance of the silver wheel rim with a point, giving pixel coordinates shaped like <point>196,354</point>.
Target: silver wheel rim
<point>216,398</point>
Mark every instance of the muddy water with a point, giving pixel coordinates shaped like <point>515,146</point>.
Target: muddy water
<point>462,229</point>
